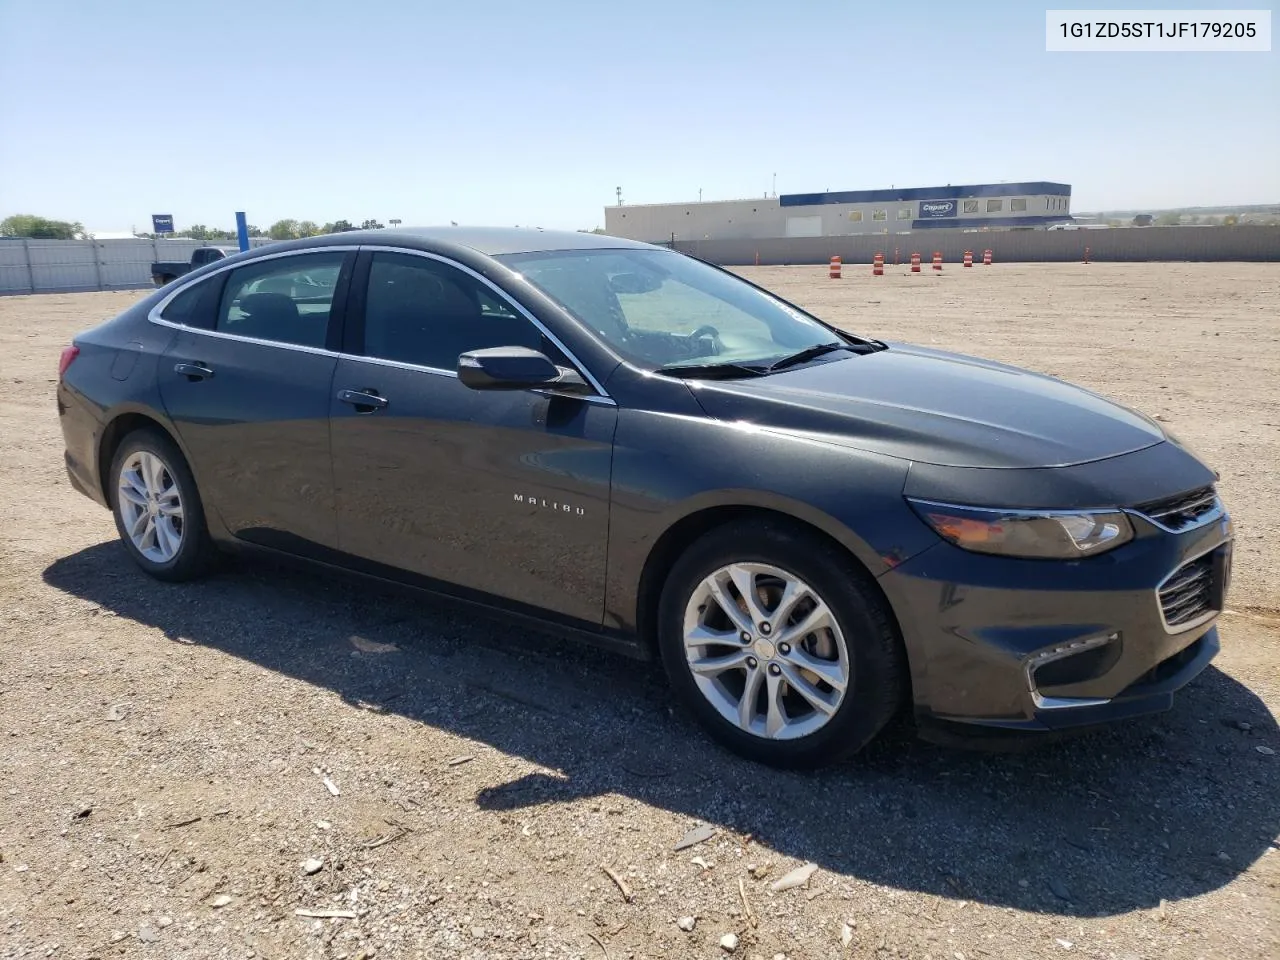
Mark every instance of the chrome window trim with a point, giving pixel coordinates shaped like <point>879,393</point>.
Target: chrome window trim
<point>219,335</point>
<point>154,315</point>
<point>1205,617</point>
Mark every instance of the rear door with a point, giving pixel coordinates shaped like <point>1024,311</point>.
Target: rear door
<point>246,382</point>
<point>504,492</point>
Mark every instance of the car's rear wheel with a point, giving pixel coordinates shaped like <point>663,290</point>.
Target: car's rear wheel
<point>157,508</point>
<point>780,644</point>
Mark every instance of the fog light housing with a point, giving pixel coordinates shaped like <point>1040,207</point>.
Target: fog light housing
<point>1071,663</point>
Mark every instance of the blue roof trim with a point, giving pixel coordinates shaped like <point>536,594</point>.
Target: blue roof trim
<point>971,222</point>
<point>927,193</point>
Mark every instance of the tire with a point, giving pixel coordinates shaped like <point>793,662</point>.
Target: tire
<point>195,552</point>
<point>872,666</point>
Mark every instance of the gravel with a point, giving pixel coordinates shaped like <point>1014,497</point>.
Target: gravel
<point>198,724</point>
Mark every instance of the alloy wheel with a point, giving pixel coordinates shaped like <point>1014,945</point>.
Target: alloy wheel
<point>150,506</point>
<point>766,651</point>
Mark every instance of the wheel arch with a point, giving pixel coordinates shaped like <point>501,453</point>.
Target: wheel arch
<point>685,530</point>
<point>120,426</point>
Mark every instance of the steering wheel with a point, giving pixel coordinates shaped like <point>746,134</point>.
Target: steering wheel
<point>708,331</point>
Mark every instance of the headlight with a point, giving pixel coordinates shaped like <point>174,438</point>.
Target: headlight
<point>1056,535</point>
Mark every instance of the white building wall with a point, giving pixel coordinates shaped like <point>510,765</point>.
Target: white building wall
<point>766,217</point>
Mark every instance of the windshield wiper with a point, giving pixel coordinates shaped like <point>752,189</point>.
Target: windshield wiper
<point>712,371</point>
<point>809,353</point>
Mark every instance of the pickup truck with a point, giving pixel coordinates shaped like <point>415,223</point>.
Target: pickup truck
<point>166,271</point>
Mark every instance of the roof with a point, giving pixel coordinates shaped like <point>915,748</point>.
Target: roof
<point>493,241</point>
<point>948,192</point>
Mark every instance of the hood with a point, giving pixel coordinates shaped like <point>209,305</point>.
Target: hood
<point>935,407</point>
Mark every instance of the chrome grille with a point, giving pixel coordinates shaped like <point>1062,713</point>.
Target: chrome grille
<point>1178,513</point>
<point>1187,596</point>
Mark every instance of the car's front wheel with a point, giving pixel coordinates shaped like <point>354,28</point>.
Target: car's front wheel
<point>780,644</point>
<point>157,508</point>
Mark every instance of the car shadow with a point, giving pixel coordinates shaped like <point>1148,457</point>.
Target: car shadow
<point>1156,809</point>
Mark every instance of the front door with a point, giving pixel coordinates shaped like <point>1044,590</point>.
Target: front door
<point>248,387</point>
<point>501,492</point>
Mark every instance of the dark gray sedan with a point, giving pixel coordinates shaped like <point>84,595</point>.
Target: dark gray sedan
<point>811,529</point>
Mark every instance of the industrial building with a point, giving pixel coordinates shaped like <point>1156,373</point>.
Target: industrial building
<point>984,206</point>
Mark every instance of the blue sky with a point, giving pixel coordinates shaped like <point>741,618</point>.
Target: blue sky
<point>532,112</point>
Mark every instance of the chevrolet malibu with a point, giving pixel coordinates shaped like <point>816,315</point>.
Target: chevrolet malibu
<point>811,530</point>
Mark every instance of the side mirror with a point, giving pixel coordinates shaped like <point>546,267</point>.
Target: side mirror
<point>515,368</point>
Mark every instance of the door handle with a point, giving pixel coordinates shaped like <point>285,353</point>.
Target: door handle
<point>365,401</point>
<point>193,371</point>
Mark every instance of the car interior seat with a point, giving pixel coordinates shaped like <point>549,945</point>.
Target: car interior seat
<point>274,316</point>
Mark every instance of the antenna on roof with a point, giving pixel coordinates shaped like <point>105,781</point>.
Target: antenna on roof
<point>619,192</point>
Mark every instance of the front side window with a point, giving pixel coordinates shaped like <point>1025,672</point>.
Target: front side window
<point>427,313</point>
<point>287,299</point>
<point>662,309</point>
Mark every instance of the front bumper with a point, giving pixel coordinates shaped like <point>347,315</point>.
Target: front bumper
<point>1036,645</point>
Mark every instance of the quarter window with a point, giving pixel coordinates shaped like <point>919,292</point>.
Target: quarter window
<point>193,306</point>
<point>880,215</point>
<point>1018,203</point>
<point>971,206</point>
<point>994,206</point>
<point>287,300</point>
<point>427,313</point>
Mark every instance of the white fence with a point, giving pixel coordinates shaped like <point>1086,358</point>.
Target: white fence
<point>65,266</point>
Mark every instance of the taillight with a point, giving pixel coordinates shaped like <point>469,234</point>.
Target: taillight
<point>64,361</point>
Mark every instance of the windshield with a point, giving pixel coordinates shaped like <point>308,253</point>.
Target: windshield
<point>663,310</point>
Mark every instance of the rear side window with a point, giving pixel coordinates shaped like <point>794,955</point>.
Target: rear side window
<point>287,300</point>
<point>194,306</point>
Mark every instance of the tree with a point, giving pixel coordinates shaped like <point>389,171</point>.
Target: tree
<point>371,225</point>
<point>308,228</point>
<point>1230,220</point>
<point>283,230</point>
<point>338,226</point>
<point>40,228</point>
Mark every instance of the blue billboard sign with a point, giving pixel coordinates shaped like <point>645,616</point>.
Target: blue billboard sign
<point>932,209</point>
<point>162,223</point>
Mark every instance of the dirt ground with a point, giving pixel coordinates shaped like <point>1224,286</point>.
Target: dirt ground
<point>170,756</point>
